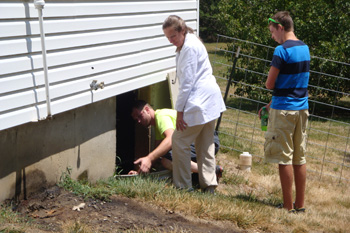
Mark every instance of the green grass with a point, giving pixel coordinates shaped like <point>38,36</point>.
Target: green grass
<point>216,56</point>
<point>152,190</point>
<point>83,188</point>
<point>7,217</point>
<point>246,200</point>
<point>345,202</point>
<point>234,180</point>
<point>76,227</point>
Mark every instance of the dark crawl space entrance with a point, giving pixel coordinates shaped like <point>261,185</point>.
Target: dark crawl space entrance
<point>125,133</point>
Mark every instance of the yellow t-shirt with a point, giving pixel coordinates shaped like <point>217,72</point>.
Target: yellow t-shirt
<point>164,119</point>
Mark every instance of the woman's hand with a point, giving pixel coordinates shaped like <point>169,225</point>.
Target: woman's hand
<point>180,123</point>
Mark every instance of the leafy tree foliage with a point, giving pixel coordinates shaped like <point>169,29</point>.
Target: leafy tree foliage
<point>322,24</point>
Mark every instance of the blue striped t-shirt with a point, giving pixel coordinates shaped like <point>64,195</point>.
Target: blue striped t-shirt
<point>292,58</point>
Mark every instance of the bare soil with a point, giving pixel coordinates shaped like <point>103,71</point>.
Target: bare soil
<point>52,210</point>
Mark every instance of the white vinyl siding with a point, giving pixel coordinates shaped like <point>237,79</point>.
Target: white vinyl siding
<point>120,43</point>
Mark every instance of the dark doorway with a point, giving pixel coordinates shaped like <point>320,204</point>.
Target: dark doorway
<point>125,133</point>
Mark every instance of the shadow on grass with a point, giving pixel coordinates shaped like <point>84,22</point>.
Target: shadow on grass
<point>271,201</point>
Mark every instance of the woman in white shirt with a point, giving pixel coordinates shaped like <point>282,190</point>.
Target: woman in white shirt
<point>199,104</point>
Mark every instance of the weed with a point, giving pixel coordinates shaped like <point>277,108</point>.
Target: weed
<point>344,202</point>
<point>300,230</point>
<point>8,217</point>
<point>6,230</point>
<point>234,180</point>
<point>172,229</point>
<point>76,227</point>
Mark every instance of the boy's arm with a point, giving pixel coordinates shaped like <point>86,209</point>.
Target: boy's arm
<point>271,78</point>
<point>270,84</point>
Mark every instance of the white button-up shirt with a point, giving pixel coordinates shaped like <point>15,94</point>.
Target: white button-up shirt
<point>199,95</point>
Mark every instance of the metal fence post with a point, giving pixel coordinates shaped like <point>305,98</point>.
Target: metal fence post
<point>228,84</point>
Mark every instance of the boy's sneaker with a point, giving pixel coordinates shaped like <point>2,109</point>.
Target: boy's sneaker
<point>295,210</point>
<point>218,170</point>
<point>300,210</point>
<point>292,211</point>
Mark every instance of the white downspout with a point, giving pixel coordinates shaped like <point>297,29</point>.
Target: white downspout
<point>39,4</point>
<point>198,18</point>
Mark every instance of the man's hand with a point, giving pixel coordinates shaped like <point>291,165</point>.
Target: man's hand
<point>180,123</point>
<point>267,108</point>
<point>132,172</point>
<point>145,164</point>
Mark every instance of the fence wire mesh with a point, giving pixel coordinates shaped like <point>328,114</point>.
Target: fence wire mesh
<point>328,143</point>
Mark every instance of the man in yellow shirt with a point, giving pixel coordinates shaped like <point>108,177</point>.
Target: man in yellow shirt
<point>164,121</point>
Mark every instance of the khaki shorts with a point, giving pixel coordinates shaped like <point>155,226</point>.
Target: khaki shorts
<point>285,138</point>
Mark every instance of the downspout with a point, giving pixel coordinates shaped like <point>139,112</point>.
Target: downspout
<point>39,4</point>
<point>198,18</point>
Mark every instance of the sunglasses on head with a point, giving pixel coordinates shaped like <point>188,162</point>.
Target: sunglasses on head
<point>274,21</point>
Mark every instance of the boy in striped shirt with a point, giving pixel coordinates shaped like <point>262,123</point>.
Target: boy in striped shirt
<point>288,110</point>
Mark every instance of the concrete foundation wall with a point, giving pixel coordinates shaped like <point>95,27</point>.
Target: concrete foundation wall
<point>33,156</point>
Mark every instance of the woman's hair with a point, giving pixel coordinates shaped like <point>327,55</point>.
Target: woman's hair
<point>177,23</point>
<point>284,18</point>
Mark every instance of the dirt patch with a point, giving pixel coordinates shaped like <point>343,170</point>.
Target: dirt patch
<point>53,211</point>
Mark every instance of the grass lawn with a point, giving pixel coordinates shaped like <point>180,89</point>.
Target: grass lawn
<point>244,199</point>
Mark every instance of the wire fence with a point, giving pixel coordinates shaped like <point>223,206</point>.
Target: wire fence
<point>247,64</point>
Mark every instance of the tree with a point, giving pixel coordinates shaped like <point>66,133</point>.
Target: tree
<point>322,24</point>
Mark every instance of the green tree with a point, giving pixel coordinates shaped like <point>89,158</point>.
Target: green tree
<point>322,24</point>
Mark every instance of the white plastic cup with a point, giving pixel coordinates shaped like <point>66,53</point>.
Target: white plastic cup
<point>245,161</point>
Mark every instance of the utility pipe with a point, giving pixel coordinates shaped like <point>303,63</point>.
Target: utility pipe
<point>39,5</point>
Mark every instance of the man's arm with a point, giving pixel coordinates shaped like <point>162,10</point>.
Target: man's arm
<point>270,84</point>
<point>159,151</point>
<point>271,78</point>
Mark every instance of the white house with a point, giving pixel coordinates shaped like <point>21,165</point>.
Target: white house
<point>68,71</point>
